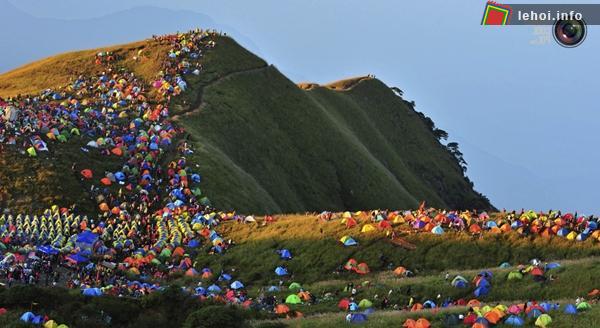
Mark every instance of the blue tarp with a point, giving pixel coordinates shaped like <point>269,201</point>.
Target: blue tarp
<point>48,250</point>
<point>78,258</point>
<point>87,237</point>
<point>357,318</point>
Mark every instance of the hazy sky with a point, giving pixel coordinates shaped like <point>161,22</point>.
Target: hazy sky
<point>526,116</point>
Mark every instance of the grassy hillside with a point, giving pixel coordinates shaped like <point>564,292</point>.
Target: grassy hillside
<point>262,143</point>
<point>318,254</point>
<point>266,145</point>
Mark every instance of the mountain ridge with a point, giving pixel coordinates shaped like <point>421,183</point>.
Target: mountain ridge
<point>283,149</point>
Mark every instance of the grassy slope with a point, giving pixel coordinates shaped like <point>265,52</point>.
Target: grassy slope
<point>33,184</point>
<point>317,255</point>
<point>265,145</point>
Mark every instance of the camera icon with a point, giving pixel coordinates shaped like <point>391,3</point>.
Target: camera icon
<point>569,33</point>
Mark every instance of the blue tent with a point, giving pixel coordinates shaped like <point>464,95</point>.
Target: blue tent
<point>273,289</point>
<point>237,285</point>
<point>570,309</point>
<point>483,321</point>
<point>481,291</point>
<point>27,317</point>
<point>534,313</point>
<point>200,291</point>
<point>193,243</point>
<point>92,292</point>
<point>78,258</point>
<point>505,265</point>
<point>87,237</point>
<point>357,318</point>
<point>429,304</point>
<point>350,242</point>
<point>368,311</point>
<point>486,274</point>
<point>281,271</point>
<point>546,306</point>
<point>285,254</point>
<point>353,306</point>
<point>437,230</point>
<point>37,320</point>
<point>460,284</point>
<point>552,265</point>
<point>48,250</point>
<point>225,277</point>
<point>214,288</point>
<point>514,320</point>
<point>120,176</point>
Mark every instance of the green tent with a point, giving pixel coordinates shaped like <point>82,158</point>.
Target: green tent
<point>165,253</point>
<point>583,306</point>
<point>515,275</point>
<point>543,321</point>
<point>293,299</point>
<point>365,304</point>
<point>295,286</point>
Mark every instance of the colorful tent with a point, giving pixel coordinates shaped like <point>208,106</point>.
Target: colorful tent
<point>293,299</point>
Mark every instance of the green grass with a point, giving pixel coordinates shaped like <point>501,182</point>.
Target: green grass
<point>264,145</point>
<point>317,255</point>
<point>397,318</point>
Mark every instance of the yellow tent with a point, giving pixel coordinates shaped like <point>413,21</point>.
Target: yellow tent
<point>50,324</point>
<point>367,228</point>
<point>572,235</point>
<point>31,151</point>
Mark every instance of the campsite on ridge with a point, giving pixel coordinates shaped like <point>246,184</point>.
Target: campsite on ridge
<point>182,181</point>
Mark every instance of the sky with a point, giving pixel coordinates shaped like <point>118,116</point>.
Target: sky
<point>525,115</point>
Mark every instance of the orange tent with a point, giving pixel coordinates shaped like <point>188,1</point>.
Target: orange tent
<point>104,207</point>
<point>282,309</point>
<point>178,252</point>
<point>492,316</point>
<point>399,271</point>
<point>409,323</point>
<point>594,292</point>
<point>117,151</point>
<point>478,325</point>
<point>87,173</point>
<point>475,228</point>
<point>106,181</point>
<point>416,307</point>
<point>474,303</point>
<point>423,323</point>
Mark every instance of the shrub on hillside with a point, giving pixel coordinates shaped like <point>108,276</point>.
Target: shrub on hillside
<point>216,316</point>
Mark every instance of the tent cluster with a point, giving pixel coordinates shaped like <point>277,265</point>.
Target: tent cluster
<point>353,265</point>
<point>554,223</point>
<point>41,321</point>
<point>140,231</point>
<point>516,314</point>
